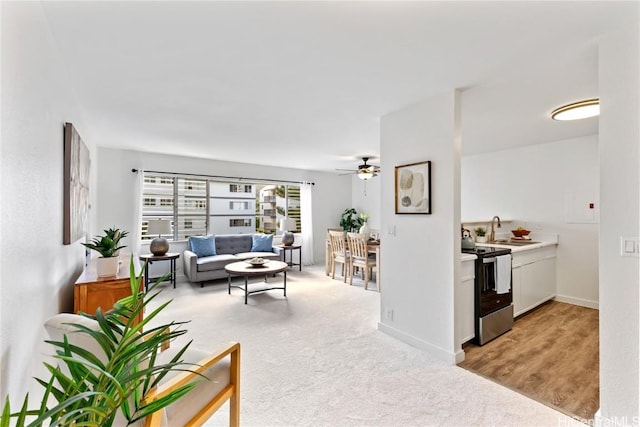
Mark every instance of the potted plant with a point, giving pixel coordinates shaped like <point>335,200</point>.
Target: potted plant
<point>349,220</point>
<point>364,229</point>
<point>481,234</point>
<point>92,391</point>
<point>107,246</point>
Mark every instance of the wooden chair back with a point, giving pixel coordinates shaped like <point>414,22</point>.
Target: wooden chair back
<point>357,246</point>
<point>338,244</point>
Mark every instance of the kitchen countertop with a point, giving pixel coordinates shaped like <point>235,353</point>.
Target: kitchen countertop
<point>543,239</point>
<point>468,257</point>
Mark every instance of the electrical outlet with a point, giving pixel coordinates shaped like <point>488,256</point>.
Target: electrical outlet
<point>388,314</point>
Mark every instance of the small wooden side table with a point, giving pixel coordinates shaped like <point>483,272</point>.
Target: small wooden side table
<point>151,258</point>
<point>91,291</point>
<point>290,249</point>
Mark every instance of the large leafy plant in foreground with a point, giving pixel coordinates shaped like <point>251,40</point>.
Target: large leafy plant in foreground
<point>91,390</point>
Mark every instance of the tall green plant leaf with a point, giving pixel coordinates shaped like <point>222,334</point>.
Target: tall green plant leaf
<point>95,388</point>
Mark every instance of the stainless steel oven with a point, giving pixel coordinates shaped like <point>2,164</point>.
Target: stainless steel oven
<point>493,301</point>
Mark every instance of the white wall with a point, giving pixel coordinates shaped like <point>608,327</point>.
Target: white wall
<point>619,187</point>
<point>365,197</point>
<point>37,270</point>
<point>420,263</point>
<point>117,196</point>
<point>531,185</point>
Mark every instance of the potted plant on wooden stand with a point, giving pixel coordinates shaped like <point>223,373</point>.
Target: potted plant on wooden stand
<point>107,246</point>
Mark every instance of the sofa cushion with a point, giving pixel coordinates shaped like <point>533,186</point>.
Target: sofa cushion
<point>233,243</point>
<point>262,243</point>
<point>202,246</point>
<point>215,262</point>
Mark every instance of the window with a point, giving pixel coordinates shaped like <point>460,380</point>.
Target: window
<point>239,188</point>
<point>205,206</point>
<point>238,206</point>
<point>240,222</point>
<point>183,201</point>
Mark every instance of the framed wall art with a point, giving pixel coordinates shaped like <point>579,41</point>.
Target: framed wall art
<point>77,164</point>
<point>413,188</point>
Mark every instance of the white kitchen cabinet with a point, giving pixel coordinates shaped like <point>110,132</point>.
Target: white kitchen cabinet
<point>466,304</point>
<point>516,284</point>
<point>534,278</point>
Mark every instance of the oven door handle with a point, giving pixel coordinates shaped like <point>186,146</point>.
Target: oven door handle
<point>489,260</point>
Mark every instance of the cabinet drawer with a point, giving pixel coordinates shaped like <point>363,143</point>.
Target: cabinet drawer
<point>534,255</point>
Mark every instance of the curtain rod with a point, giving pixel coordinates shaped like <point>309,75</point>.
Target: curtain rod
<point>227,177</point>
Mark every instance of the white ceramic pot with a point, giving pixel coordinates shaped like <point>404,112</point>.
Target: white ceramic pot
<point>481,239</point>
<point>365,229</point>
<point>107,266</point>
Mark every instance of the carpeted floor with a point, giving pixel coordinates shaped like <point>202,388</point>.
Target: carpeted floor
<point>316,358</point>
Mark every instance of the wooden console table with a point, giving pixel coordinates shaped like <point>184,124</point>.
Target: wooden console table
<point>91,291</point>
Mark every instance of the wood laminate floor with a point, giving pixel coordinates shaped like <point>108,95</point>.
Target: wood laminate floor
<point>550,355</point>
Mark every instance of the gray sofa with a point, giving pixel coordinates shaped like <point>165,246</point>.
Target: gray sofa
<point>229,248</point>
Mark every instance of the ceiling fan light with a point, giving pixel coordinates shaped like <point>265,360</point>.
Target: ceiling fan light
<point>365,175</point>
<point>577,110</point>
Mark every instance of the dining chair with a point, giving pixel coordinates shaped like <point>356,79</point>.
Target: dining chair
<point>339,253</point>
<point>360,257</point>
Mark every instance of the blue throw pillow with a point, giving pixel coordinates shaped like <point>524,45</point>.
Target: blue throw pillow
<point>202,245</point>
<point>262,243</point>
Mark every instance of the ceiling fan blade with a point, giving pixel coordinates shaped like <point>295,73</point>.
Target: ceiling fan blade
<point>348,170</point>
<point>349,173</point>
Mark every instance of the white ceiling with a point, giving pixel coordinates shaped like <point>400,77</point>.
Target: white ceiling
<point>303,84</point>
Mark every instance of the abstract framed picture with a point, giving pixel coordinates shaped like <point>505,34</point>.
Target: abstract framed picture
<point>77,164</point>
<point>413,188</point>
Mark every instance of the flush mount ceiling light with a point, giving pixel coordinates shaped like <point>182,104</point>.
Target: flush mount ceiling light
<point>577,110</point>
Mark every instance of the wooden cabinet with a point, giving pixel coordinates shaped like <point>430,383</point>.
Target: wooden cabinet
<point>91,291</point>
<point>534,278</point>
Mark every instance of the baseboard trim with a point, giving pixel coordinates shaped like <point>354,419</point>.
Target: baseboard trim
<point>578,301</point>
<point>439,353</point>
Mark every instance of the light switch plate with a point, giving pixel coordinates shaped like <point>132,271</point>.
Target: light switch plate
<point>629,246</point>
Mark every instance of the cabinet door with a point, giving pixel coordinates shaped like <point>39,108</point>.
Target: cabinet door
<point>467,318</point>
<point>516,284</point>
<point>538,283</point>
<point>465,305</point>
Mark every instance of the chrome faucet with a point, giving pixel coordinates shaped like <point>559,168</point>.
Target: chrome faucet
<point>492,235</point>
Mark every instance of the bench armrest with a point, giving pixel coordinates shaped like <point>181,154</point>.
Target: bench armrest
<point>231,392</point>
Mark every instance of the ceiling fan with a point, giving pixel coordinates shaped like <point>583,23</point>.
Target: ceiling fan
<point>364,171</point>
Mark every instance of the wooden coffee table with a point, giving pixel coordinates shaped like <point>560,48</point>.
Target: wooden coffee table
<point>243,268</point>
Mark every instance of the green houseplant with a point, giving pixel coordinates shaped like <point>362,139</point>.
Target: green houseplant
<point>481,234</point>
<point>350,221</point>
<point>107,246</point>
<point>94,390</point>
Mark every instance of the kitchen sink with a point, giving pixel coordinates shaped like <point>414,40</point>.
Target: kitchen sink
<point>513,242</point>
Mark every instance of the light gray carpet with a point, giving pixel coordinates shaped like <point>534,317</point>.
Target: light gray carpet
<point>316,358</point>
